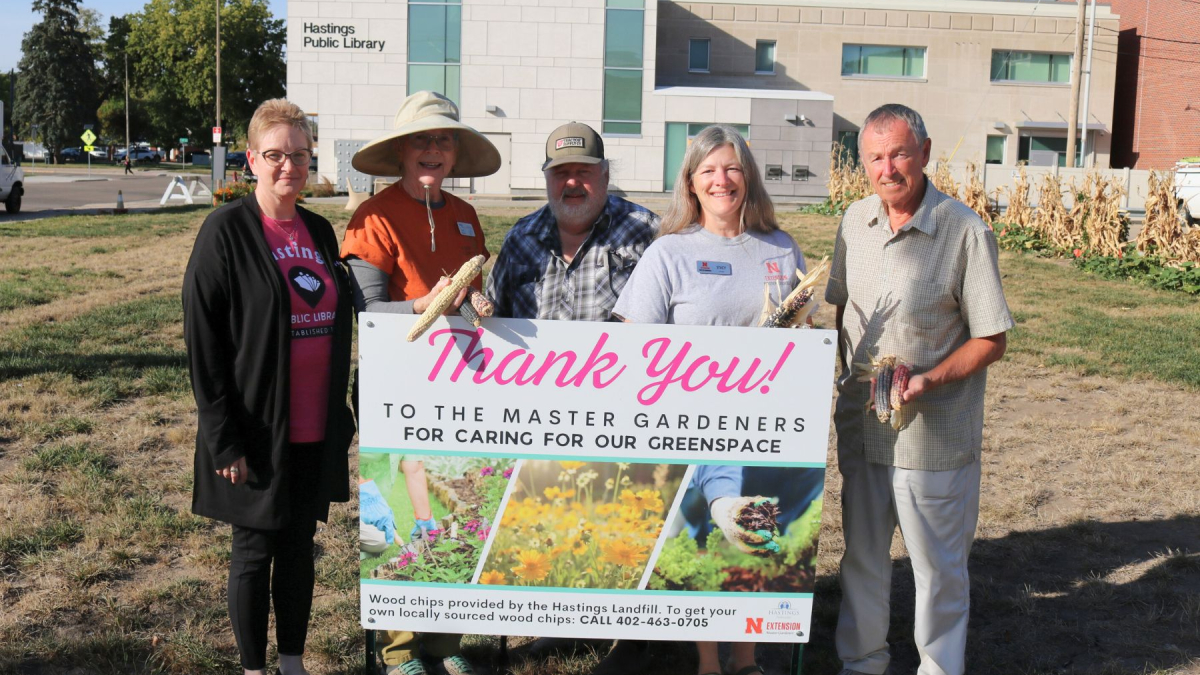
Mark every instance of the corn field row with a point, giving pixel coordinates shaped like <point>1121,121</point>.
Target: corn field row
<point>1093,224</point>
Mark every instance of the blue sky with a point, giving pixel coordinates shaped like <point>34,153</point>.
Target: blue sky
<point>18,18</point>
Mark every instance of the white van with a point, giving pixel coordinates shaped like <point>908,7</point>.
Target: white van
<point>12,183</point>
<point>1187,189</point>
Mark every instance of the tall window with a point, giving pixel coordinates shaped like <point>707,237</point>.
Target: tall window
<point>995,150</point>
<point>1009,66</point>
<point>883,61</point>
<point>435,46</point>
<point>624,21</point>
<point>764,57</point>
<point>698,55</point>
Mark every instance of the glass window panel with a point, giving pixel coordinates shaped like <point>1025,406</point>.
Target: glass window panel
<point>887,61</point>
<point>1029,67</point>
<point>434,33</point>
<point>441,79</point>
<point>851,55</point>
<point>764,57</point>
<point>914,62</point>
<point>631,128</point>
<point>625,4</point>
<point>995,150</point>
<point>622,94</point>
<point>1060,68</point>
<point>676,145</point>
<point>999,66</point>
<point>698,54</point>
<point>623,39</point>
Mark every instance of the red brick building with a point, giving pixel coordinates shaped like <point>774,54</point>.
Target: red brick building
<point>1156,108</point>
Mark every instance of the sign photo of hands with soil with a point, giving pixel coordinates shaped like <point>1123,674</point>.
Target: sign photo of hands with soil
<point>578,479</point>
<point>427,518</point>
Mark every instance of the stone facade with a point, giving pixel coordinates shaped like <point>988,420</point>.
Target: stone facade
<point>956,96</point>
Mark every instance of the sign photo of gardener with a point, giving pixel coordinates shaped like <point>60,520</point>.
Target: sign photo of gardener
<point>578,479</point>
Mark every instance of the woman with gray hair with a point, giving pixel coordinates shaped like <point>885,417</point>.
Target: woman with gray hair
<point>719,247</point>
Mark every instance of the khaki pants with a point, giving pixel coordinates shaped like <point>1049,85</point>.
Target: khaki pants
<point>937,512</point>
<point>403,646</point>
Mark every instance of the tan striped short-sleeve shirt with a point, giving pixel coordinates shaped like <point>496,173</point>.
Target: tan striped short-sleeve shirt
<point>918,295</point>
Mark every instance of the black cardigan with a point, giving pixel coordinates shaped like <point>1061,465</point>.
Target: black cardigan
<point>237,327</point>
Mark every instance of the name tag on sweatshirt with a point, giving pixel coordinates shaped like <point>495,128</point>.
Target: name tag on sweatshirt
<point>712,267</point>
<point>466,229</point>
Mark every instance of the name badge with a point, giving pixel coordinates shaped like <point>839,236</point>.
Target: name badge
<point>466,229</point>
<point>712,267</point>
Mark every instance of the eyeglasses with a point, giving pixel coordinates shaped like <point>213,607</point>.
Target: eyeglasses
<point>277,157</point>
<point>445,142</point>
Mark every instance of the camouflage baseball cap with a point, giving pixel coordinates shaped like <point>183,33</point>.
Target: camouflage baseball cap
<point>573,143</point>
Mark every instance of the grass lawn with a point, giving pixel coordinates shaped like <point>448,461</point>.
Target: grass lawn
<point>1087,558</point>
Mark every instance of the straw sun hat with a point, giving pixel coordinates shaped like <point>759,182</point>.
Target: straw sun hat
<point>426,111</point>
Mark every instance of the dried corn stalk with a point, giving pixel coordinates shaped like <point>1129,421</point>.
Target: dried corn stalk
<point>975,195</point>
<point>1051,219</point>
<point>1018,212</point>
<point>445,297</point>
<point>1107,224</point>
<point>1163,232</point>
<point>941,178</point>
<point>848,181</point>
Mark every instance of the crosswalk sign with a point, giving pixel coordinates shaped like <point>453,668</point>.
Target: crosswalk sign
<point>88,137</point>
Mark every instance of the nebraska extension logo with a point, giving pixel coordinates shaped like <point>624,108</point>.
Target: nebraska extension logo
<point>772,268</point>
<point>784,619</point>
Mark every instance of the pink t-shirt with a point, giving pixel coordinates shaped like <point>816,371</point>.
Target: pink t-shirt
<point>314,306</point>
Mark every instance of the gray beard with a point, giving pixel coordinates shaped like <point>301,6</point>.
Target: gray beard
<point>580,216</point>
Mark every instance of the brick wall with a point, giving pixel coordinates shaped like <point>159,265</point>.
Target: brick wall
<point>1156,112</point>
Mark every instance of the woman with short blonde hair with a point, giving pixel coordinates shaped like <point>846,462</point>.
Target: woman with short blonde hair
<point>267,324</point>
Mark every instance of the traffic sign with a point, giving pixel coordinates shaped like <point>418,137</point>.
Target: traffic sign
<point>183,140</point>
<point>217,135</point>
<point>88,137</point>
<point>89,148</point>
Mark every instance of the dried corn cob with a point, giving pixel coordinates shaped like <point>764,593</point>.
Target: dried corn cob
<point>899,384</point>
<point>467,311</point>
<point>796,307</point>
<point>883,389</point>
<point>465,274</point>
<point>480,302</point>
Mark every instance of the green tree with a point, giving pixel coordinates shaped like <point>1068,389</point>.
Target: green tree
<point>56,86</point>
<point>112,59</point>
<point>173,45</point>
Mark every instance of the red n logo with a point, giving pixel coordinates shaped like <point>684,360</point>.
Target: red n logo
<point>754,625</point>
<point>773,268</point>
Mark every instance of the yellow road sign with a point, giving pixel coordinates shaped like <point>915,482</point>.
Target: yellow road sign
<point>88,137</point>
<point>89,148</point>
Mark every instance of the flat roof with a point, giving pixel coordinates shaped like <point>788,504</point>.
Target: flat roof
<point>724,92</point>
<point>1045,8</point>
<point>1055,125</point>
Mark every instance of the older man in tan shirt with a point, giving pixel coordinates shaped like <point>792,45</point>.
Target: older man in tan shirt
<point>914,275</point>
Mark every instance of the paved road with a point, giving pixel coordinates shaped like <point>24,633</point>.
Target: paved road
<point>59,191</point>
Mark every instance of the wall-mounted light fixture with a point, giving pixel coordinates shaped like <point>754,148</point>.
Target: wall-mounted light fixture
<point>1001,126</point>
<point>795,119</point>
<point>492,109</point>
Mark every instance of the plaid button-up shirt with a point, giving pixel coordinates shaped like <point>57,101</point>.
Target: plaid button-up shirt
<point>531,280</point>
<point>919,295</point>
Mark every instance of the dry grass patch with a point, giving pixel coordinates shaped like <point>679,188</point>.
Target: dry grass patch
<point>1086,559</point>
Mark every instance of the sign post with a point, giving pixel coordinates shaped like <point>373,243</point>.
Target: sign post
<point>183,151</point>
<point>590,478</point>
<point>88,138</point>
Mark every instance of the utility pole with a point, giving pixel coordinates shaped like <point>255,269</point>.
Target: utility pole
<point>1087,84</point>
<point>127,157</point>
<point>218,63</point>
<point>1076,65</point>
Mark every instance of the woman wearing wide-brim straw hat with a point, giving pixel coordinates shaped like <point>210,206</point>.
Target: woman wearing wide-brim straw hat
<point>402,244</point>
<point>402,241</point>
